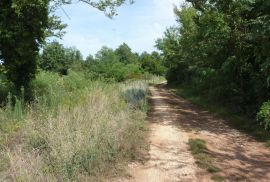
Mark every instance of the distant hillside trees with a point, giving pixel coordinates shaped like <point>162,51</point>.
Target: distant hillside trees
<point>122,64</point>
<point>113,65</point>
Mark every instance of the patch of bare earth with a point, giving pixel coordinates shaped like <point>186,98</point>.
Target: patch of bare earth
<point>173,121</point>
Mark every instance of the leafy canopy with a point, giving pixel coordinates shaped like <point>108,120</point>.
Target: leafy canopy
<point>221,50</point>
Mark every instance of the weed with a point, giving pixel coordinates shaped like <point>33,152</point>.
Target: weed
<point>203,159</point>
<point>213,169</point>
<point>197,146</point>
<point>218,178</point>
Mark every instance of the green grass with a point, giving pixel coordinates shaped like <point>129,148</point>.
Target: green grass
<point>235,120</point>
<point>203,159</point>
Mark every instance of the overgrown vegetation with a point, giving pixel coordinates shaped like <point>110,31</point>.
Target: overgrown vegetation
<point>63,118</point>
<point>219,50</point>
<point>85,118</point>
<point>203,159</point>
<point>74,130</point>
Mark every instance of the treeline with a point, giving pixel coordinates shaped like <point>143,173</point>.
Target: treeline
<point>112,65</point>
<point>220,49</point>
<point>108,65</point>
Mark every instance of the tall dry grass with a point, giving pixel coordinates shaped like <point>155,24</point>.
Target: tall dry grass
<point>78,130</point>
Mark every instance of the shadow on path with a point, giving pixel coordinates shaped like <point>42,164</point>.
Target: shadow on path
<point>240,157</point>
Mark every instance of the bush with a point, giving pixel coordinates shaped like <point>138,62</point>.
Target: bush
<point>135,94</point>
<point>114,71</point>
<point>263,115</point>
<point>51,89</point>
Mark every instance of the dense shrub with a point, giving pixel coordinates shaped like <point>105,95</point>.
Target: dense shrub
<point>220,51</point>
<point>264,115</point>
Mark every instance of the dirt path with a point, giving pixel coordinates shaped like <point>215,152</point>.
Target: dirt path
<point>173,121</point>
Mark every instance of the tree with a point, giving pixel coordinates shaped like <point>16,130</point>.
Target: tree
<point>125,54</point>
<point>152,63</point>
<point>107,65</point>
<point>74,58</point>
<point>221,50</point>
<point>22,28</point>
<point>55,57</point>
<point>89,59</point>
<point>160,68</point>
<point>24,24</point>
<point>106,54</point>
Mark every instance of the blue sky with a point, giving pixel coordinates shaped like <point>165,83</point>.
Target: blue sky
<point>139,25</point>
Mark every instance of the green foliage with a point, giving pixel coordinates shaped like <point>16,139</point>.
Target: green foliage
<point>122,64</point>
<point>24,25</point>
<point>55,57</point>
<point>51,90</point>
<point>220,51</point>
<point>125,54</point>
<point>264,115</point>
<point>22,30</point>
<point>152,63</point>
<point>107,65</point>
<point>107,6</point>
